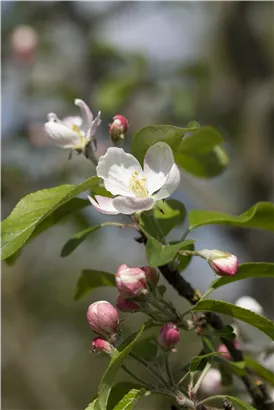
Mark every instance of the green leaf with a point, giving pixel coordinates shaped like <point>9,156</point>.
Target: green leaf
<point>168,214</point>
<point>172,213</point>
<point>32,210</point>
<point>146,348</point>
<point>260,370</point>
<point>234,400</point>
<point>114,365</point>
<point>130,399</point>
<point>246,270</point>
<point>241,403</point>
<point>77,239</point>
<point>238,368</point>
<point>60,214</point>
<point>159,254</point>
<point>200,153</point>
<point>92,405</point>
<point>119,390</point>
<point>92,279</point>
<point>199,362</point>
<point>226,332</point>
<point>218,306</point>
<point>161,289</point>
<point>260,216</point>
<point>193,125</point>
<point>151,134</point>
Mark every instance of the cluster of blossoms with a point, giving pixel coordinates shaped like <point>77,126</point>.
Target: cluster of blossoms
<point>137,292</point>
<point>134,189</point>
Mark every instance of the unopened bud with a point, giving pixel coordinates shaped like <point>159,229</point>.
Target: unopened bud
<point>127,305</point>
<point>223,263</point>
<point>103,319</point>
<point>169,336</point>
<point>24,41</point>
<point>224,350</point>
<point>131,282</point>
<point>247,302</point>
<point>118,128</point>
<point>258,341</point>
<point>102,346</point>
<point>212,382</point>
<point>152,276</point>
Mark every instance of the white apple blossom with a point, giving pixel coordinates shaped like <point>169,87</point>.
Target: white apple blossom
<point>73,132</point>
<point>137,189</point>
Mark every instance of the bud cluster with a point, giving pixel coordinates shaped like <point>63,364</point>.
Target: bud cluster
<point>103,319</point>
<point>138,292</point>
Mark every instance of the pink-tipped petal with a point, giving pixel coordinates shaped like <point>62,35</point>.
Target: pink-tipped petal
<point>104,205</point>
<point>126,205</point>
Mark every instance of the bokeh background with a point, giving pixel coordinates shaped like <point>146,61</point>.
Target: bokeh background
<point>154,62</point>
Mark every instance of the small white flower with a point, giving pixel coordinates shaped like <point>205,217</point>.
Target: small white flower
<point>73,132</point>
<point>137,189</point>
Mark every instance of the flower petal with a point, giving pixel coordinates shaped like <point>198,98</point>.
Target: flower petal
<point>70,121</point>
<point>85,113</point>
<point>94,125</point>
<point>127,205</point>
<point>60,134</point>
<point>171,184</point>
<point>104,205</point>
<point>157,164</point>
<point>116,168</point>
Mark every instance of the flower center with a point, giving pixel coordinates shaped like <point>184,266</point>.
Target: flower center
<point>138,185</point>
<point>76,129</point>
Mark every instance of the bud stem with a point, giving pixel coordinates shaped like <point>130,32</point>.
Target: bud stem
<point>148,386</point>
<point>189,253</point>
<point>149,368</point>
<point>168,369</point>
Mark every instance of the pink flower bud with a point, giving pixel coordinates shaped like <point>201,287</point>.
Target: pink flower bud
<point>127,305</point>
<point>169,336</point>
<point>225,353</point>
<point>118,128</point>
<point>24,40</point>
<point>223,263</point>
<point>102,346</point>
<point>130,282</point>
<point>212,382</point>
<point>103,319</point>
<point>152,275</point>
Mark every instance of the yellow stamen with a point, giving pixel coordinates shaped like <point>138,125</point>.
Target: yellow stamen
<point>138,185</point>
<point>76,129</point>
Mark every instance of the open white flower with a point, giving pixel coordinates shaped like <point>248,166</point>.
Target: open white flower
<point>137,189</point>
<point>73,132</point>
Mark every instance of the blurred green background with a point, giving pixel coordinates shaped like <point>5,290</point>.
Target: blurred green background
<point>155,63</point>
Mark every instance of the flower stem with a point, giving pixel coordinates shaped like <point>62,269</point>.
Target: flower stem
<point>189,253</point>
<point>119,225</point>
<point>201,378</point>
<point>124,367</point>
<point>149,368</point>
<point>168,369</point>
